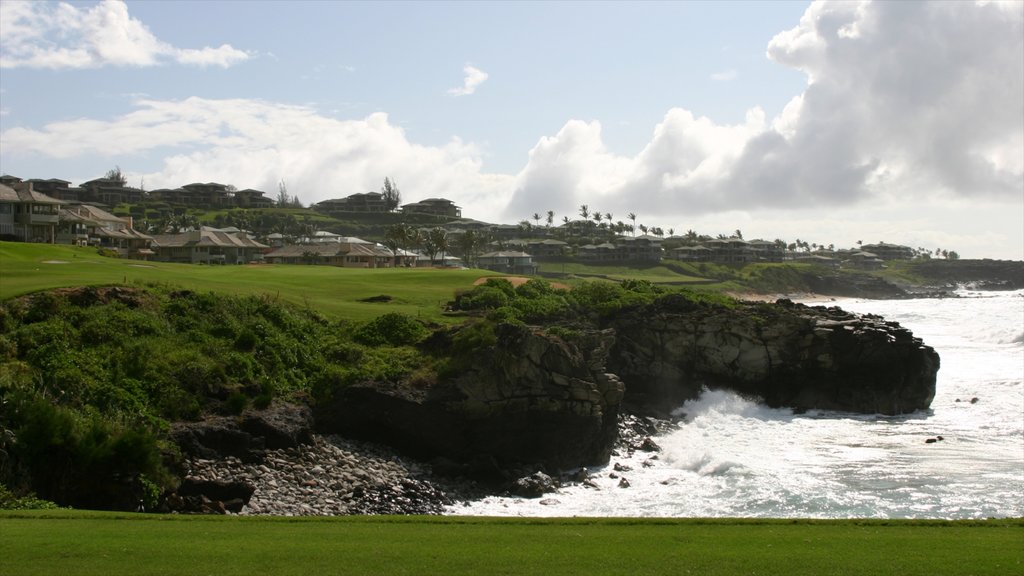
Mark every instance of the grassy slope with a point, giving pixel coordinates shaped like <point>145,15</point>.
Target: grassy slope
<point>336,292</point>
<point>62,542</point>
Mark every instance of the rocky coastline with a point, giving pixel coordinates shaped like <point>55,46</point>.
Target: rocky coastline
<point>539,406</point>
<point>328,475</point>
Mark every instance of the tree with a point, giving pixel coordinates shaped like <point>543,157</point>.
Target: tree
<point>394,238</point>
<point>632,217</point>
<point>585,211</point>
<point>435,241</point>
<point>738,233</point>
<point>115,174</point>
<point>469,244</point>
<point>392,196</point>
<point>536,218</point>
<point>283,199</point>
<point>551,217</point>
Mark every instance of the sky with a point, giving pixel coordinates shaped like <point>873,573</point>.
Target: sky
<point>828,122</point>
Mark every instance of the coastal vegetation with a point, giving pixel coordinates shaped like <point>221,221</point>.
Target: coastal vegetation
<point>59,542</point>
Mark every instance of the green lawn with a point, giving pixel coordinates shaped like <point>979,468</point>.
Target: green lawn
<point>336,292</point>
<point>70,542</point>
<point>654,273</point>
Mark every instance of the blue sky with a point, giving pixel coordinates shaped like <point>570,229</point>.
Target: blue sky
<point>828,122</point>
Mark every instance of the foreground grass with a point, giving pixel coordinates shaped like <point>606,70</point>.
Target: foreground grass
<point>335,292</point>
<point>77,542</point>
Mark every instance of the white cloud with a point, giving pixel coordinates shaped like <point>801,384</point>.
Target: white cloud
<point>255,144</point>
<point>473,79</point>
<point>45,35</point>
<point>939,117</point>
<point>724,75</point>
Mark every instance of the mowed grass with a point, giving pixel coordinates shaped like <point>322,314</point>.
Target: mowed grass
<point>70,542</point>
<point>335,292</point>
<point>656,274</point>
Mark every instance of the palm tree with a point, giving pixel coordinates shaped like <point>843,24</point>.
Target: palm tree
<point>551,217</point>
<point>536,218</point>
<point>632,216</point>
<point>585,211</point>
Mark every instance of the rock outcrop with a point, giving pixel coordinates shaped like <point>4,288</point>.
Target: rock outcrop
<point>531,398</point>
<point>787,354</point>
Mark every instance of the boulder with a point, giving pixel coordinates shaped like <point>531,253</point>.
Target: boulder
<point>533,486</point>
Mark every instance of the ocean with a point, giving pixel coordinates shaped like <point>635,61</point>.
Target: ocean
<point>733,457</point>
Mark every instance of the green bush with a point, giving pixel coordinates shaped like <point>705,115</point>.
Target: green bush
<point>392,329</point>
<point>10,501</point>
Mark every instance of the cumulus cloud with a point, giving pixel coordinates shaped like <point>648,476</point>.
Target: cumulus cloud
<point>473,79</point>
<point>45,35</point>
<point>255,144</point>
<point>907,100</point>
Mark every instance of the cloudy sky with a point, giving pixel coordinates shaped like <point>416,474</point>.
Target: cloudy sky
<point>827,122</point>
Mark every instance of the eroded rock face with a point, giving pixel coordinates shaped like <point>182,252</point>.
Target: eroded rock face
<point>788,354</point>
<point>530,399</point>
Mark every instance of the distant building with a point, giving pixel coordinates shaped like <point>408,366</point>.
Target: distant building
<point>360,202</point>
<point>509,262</point>
<point>345,255</point>
<point>435,206</point>
<point>28,216</point>
<point>208,247</point>
<point>250,198</point>
<point>86,225</point>
<point>886,251</point>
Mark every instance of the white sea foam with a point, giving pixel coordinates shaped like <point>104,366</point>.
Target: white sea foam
<point>735,457</point>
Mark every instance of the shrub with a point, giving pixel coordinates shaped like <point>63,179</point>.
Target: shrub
<point>485,297</point>
<point>10,501</point>
<point>391,329</point>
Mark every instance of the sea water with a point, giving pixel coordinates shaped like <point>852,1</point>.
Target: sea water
<point>733,457</point>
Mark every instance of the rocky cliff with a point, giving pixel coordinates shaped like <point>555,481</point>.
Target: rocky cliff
<point>531,398</point>
<point>787,354</point>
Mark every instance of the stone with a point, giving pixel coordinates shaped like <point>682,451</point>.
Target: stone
<point>533,486</point>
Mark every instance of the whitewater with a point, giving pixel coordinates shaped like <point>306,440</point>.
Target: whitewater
<point>733,457</point>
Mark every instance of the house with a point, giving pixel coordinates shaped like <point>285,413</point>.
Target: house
<point>53,187</point>
<point>28,216</point>
<point>86,225</point>
<point>692,253</point>
<point>250,198</point>
<point>639,248</point>
<point>211,195</point>
<point>548,248</point>
<point>208,246</point>
<point>435,206</point>
<point>886,251</point>
<point>360,202</point>
<point>345,255</point>
<point>109,191</point>
<point>604,252</point>
<point>507,261</point>
<point>864,260</point>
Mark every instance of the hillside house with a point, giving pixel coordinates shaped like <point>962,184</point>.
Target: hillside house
<point>886,251</point>
<point>367,202</point>
<point>86,225</point>
<point>250,198</point>
<point>208,247</point>
<point>435,206</point>
<point>507,261</point>
<point>345,255</point>
<point>28,216</point>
